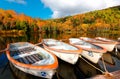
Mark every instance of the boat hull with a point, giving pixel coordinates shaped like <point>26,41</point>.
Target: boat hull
<point>40,73</point>
<point>92,56</point>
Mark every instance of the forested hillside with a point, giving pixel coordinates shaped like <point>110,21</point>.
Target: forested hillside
<point>107,20</point>
<point>11,21</point>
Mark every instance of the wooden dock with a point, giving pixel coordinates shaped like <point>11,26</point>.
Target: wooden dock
<point>112,75</point>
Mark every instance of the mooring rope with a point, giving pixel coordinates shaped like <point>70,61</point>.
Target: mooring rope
<point>91,64</point>
<point>3,50</point>
<point>38,43</point>
<point>104,65</point>
<point>103,72</point>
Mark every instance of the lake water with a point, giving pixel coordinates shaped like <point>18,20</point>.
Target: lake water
<point>65,70</point>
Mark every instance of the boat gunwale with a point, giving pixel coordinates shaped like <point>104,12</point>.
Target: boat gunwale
<point>107,40</point>
<point>54,65</point>
<point>79,51</point>
<point>100,42</point>
<point>103,50</point>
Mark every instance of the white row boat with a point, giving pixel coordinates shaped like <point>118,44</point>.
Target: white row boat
<point>62,50</point>
<point>90,51</point>
<point>32,59</point>
<point>107,45</point>
<point>117,44</point>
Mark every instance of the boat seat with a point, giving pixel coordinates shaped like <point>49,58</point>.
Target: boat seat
<point>25,61</point>
<point>27,49</point>
<point>58,47</point>
<point>51,45</point>
<point>22,51</point>
<point>14,53</point>
<point>30,59</point>
<point>79,43</point>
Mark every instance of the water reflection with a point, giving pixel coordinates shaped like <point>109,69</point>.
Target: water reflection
<point>65,70</point>
<point>5,72</point>
<point>112,63</point>
<point>69,71</point>
<point>3,60</point>
<point>116,54</point>
<point>108,59</point>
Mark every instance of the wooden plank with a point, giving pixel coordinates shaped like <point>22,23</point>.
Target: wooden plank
<point>112,75</point>
<point>36,57</point>
<point>32,58</point>
<point>29,60</point>
<point>39,56</point>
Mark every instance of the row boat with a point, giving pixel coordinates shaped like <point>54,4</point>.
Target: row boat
<point>117,46</point>
<point>32,59</point>
<point>107,45</point>
<point>62,50</point>
<point>105,39</point>
<point>90,51</point>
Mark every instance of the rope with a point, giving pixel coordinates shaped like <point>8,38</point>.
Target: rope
<point>91,64</point>
<point>103,72</point>
<point>106,73</point>
<point>3,50</point>
<point>104,65</point>
<point>38,44</point>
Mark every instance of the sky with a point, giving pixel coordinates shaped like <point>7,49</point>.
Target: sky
<point>47,9</point>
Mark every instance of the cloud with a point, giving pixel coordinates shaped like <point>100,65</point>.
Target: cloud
<point>61,8</point>
<point>18,1</point>
<point>111,3</point>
